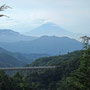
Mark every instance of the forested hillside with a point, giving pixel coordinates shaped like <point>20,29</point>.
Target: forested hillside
<point>7,60</point>
<point>73,73</point>
<point>48,79</point>
<point>10,59</point>
<point>58,60</point>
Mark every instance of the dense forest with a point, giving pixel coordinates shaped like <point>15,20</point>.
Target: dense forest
<point>72,73</point>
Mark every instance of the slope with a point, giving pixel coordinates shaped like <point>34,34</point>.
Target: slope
<point>51,45</point>
<point>51,29</point>
<point>59,60</point>
<point>7,35</point>
<point>7,60</point>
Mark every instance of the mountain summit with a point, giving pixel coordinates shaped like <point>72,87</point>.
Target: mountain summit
<point>50,29</point>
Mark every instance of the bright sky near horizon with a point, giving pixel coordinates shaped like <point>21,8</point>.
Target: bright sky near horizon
<point>72,15</point>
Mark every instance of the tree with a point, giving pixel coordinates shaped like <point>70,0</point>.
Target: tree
<point>4,81</point>
<point>2,8</point>
<point>79,79</point>
<point>20,82</point>
<point>16,81</point>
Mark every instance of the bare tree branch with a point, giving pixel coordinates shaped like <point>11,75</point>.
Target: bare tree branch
<point>4,15</point>
<point>2,8</point>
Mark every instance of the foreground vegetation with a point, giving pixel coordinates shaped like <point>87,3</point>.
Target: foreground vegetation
<point>73,73</point>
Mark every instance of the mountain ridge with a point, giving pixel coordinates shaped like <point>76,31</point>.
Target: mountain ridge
<point>8,60</point>
<point>8,35</point>
<point>19,57</point>
<point>51,45</point>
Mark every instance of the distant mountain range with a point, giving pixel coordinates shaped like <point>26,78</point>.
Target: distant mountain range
<point>51,29</point>
<point>51,45</point>
<point>18,49</point>
<point>7,35</point>
<point>9,59</point>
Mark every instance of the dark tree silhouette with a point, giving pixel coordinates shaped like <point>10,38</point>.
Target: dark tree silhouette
<point>2,8</point>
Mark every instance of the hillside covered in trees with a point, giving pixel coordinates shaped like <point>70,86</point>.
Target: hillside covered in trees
<point>58,60</point>
<point>72,71</point>
<point>11,59</point>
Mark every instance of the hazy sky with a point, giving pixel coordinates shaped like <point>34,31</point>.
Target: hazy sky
<point>73,15</point>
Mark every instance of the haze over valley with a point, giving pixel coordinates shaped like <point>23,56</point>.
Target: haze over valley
<point>48,39</point>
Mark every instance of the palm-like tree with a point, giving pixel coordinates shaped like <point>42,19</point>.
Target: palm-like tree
<point>2,8</point>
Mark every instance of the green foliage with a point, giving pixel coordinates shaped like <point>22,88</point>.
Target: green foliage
<point>4,81</point>
<point>49,79</point>
<point>7,60</point>
<point>79,79</point>
<point>58,60</point>
<point>19,82</point>
<point>73,73</point>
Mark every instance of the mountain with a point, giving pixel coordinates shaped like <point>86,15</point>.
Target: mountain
<point>20,59</point>
<point>28,58</point>
<point>3,50</point>
<point>51,45</point>
<point>7,60</point>
<point>7,35</point>
<point>51,29</point>
<point>58,60</point>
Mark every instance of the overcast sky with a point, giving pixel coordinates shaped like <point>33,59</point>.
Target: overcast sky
<point>73,15</point>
